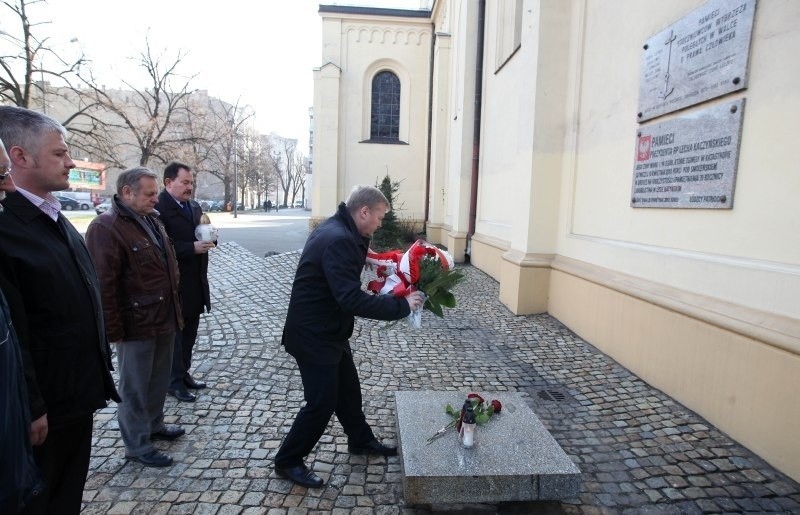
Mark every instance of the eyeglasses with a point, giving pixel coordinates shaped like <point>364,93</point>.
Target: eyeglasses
<point>6,170</point>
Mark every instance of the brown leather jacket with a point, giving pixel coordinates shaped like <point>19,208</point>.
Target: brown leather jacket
<point>138,280</point>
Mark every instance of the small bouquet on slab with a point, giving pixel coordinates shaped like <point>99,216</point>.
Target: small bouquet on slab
<point>424,267</point>
<point>481,409</point>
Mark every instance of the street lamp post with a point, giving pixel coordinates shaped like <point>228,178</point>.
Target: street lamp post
<point>277,180</point>
<point>235,178</point>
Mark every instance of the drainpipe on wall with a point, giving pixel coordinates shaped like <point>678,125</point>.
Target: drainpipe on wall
<point>430,135</point>
<point>476,138</point>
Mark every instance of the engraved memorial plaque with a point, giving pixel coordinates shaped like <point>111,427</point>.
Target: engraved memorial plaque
<point>702,56</point>
<point>690,161</point>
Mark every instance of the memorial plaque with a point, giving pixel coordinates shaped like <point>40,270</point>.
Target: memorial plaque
<point>702,56</point>
<point>690,161</point>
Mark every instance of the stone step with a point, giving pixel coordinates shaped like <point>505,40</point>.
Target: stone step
<point>515,457</point>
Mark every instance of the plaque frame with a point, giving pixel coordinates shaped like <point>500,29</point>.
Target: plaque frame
<point>689,161</point>
<point>702,56</point>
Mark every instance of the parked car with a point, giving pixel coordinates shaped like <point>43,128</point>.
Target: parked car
<point>103,206</point>
<point>83,199</point>
<point>68,204</point>
<point>216,205</point>
<point>298,203</point>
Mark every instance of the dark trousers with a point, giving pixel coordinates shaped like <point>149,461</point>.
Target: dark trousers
<point>182,352</point>
<point>63,459</point>
<point>327,389</point>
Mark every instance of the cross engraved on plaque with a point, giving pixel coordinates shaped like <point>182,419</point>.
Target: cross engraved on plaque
<point>668,90</point>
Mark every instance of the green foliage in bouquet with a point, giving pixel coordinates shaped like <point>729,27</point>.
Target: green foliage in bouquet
<point>436,283</point>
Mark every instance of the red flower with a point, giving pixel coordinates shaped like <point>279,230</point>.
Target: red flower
<point>496,405</point>
<point>476,396</point>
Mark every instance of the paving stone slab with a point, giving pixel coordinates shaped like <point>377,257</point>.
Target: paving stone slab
<point>515,457</point>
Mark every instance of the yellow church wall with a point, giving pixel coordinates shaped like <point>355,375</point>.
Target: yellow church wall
<point>702,303</point>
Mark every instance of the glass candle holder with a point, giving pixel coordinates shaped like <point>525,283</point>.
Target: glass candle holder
<point>206,232</point>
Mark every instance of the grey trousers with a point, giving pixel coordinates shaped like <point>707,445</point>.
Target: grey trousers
<point>144,367</point>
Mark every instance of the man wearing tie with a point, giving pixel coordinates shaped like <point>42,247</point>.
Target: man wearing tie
<point>181,215</point>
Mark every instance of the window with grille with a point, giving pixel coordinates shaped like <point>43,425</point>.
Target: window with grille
<point>385,114</point>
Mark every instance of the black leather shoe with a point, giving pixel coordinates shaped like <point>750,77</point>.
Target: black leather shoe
<point>154,458</point>
<point>374,448</point>
<point>168,433</point>
<point>182,394</point>
<point>300,475</point>
<point>194,385</point>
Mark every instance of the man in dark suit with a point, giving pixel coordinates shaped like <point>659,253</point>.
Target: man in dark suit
<point>181,215</point>
<point>66,355</point>
<point>326,297</point>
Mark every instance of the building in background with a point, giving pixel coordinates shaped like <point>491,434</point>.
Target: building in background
<point>555,146</point>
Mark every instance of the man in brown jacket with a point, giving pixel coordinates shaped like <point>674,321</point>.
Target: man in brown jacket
<point>138,275</point>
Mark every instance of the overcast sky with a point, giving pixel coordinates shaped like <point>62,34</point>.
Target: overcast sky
<point>260,51</point>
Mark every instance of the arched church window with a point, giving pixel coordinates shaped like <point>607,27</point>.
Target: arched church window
<point>385,113</point>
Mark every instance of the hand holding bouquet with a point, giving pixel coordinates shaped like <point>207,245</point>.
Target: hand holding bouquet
<point>422,267</point>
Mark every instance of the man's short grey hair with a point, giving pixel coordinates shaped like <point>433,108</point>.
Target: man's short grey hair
<point>369,196</point>
<point>132,176</point>
<point>20,127</point>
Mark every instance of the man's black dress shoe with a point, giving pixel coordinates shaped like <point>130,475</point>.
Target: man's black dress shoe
<point>168,433</point>
<point>194,385</point>
<point>182,394</point>
<point>374,448</point>
<point>300,475</point>
<point>154,458</point>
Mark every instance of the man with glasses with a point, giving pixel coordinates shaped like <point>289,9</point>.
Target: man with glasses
<point>66,356</point>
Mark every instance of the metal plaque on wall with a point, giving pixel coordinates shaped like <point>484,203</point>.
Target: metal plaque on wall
<point>690,161</point>
<point>702,56</point>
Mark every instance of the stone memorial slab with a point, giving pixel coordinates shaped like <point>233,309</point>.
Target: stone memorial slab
<point>690,161</point>
<point>515,458</point>
<point>702,56</point>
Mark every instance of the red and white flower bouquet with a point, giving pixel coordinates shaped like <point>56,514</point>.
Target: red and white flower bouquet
<point>424,267</point>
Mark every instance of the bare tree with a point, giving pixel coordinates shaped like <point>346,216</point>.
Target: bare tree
<point>215,127</point>
<point>23,56</point>
<point>298,177</point>
<point>144,124</point>
<point>31,72</point>
<point>254,167</point>
<point>283,161</point>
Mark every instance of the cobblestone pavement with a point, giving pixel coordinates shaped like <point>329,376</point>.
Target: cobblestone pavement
<point>639,451</point>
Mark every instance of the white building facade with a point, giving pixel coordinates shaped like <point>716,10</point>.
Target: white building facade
<point>516,141</point>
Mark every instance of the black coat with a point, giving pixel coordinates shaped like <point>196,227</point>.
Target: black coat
<point>327,293</point>
<point>19,475</point>
<point>193,267</point>
<point>66,356</point>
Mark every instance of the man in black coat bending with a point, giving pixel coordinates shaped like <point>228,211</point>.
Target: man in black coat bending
<point>180,216</point>
<point>326,296</point>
